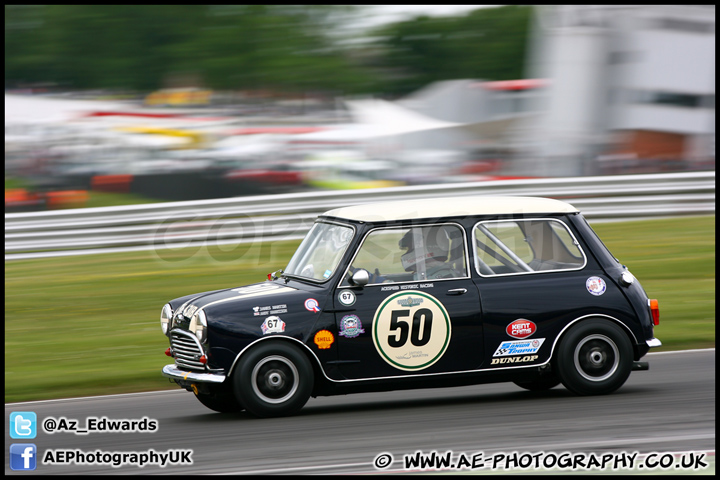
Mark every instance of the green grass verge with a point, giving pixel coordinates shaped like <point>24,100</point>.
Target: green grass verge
<point>12,182</point>
<point>89,325</point>
<point>105,199</point>
<point>674,260</point>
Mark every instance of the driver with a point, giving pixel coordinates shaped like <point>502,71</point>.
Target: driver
<point>434,251</point>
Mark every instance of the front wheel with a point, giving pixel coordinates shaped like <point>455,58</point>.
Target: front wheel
<point>594,358</point>
<point>274,379</point>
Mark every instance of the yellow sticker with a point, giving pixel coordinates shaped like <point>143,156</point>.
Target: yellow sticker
<point>323,339</point>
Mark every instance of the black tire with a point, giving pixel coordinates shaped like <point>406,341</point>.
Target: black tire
<point>220,401</point>
<point>594,358</point>
<point>539,384</point>
<point>273,379</point>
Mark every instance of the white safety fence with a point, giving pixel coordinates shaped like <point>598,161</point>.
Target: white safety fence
<point>289,216</point>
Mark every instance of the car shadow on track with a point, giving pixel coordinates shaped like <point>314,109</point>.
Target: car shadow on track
<point>403,400</point>
<point>366,402</point>
<point>446,400</point>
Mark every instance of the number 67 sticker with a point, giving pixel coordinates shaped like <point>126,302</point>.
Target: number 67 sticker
<point>346,297</point>
<point>273,325</point>
<point>411,330</point>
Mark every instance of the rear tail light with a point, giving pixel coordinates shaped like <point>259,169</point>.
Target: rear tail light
<point>655,310</point>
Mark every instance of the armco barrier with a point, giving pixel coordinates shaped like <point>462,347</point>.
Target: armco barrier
<point>285,216</point>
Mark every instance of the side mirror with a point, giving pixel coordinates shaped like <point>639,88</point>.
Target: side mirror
<point>360,277</point>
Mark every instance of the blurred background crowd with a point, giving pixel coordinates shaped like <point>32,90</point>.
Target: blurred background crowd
<point>131,104</point>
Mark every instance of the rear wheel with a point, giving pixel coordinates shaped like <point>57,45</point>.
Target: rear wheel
<point>274,379</point>
<point>595,358</point>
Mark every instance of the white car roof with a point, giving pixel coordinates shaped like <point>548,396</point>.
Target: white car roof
<point>450,207</point>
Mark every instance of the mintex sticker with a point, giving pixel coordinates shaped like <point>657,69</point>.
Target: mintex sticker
<point>411,330</point>
<point>261,289</point>
<point>595,285</point>
<point>323,339</point>
<point>518,347</point>
<point>350,326</point>
<point>273,325</point>
<point>521,328</point>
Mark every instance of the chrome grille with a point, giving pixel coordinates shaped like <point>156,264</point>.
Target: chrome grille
<point>186,350</point>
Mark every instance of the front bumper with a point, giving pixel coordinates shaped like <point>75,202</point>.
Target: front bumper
<point>183,376</point>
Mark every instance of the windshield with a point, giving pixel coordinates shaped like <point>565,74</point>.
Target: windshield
<point>318,255</point>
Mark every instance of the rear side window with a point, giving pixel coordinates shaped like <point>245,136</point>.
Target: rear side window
<point>509,247</point>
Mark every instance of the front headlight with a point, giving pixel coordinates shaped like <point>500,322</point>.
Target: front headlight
<point>199,322</point>
<point>166,318</point>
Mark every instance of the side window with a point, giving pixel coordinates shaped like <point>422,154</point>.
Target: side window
<point>412,254</point>
<point>525,246</point>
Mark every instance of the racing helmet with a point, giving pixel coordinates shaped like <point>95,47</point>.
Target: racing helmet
<point>436,245</point>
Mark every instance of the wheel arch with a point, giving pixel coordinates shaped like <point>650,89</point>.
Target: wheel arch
<point>314,361</point>
<point>597,316</point>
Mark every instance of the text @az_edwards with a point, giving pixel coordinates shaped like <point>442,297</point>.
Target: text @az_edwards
<point>99,424</point>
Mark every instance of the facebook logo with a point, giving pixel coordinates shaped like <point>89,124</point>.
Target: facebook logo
<point>23,425</point>
<point>23,456</point>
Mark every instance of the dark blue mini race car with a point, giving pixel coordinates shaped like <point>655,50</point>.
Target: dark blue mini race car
<point>418,294</point>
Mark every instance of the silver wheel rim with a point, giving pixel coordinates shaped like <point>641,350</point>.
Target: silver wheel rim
<point>596,358</point>
<point>275,379</point>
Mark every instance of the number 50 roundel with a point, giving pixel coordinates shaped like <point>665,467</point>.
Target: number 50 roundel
<point>411,330</point>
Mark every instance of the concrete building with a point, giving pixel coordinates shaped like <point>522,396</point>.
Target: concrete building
<point>608,89</point>
<point>631,89</point>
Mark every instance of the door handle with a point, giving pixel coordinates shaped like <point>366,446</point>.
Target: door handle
<point>457,291</point>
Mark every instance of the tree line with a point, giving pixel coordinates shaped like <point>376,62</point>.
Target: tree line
<point>291,48</point>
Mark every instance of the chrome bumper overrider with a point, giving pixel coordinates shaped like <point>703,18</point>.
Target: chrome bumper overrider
<point>175,373</point>
<point>654,342</point>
